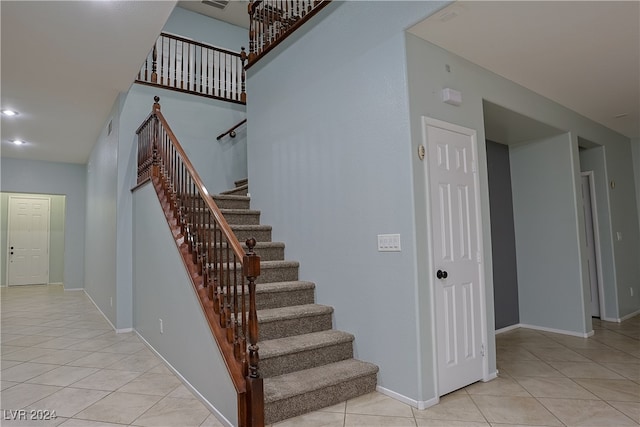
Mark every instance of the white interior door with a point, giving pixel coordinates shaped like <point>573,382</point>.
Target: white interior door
<point>457,254</point>
<point>28,241</point>
<point>589,231</point>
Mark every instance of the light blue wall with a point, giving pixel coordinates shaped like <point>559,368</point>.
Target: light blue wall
<point>545,219</point>
<point>635,148</point>
<point>31,176</point>
<point>330,168</point>
<point>56,235</point>
<point>428,75</point>
<point>200,28</point>
<point>100,236</point>
<point>163,290</point>
<point>196,121</point>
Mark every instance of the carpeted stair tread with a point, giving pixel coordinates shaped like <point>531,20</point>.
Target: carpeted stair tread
<point>226,201</point>
<point>238,190</point>
<point>305,342</point>
<point>292,312</point>
<point>301,382</point>
<point>284,286</point>
<point>241,182</point>
<point>239,211</point>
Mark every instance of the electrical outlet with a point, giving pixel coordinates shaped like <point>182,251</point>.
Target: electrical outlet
<point>111,301</point>
<point>161,327</point>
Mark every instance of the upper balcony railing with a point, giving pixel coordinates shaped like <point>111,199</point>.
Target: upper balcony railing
<point>185,65</point>
<point>271,21</point>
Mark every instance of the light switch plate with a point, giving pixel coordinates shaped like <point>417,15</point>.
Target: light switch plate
<point>389,243</point>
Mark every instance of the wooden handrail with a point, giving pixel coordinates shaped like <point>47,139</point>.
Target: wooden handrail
<point>218,265</point>
<point>184,65</point>
<point>231,131</point>
<point>272,21</point>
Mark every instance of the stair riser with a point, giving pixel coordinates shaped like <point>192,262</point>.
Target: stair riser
<point>242,219</point>
<point>288,327</point>
<point>298,405</point>
<point>259,235</point>
<point>232,204</point>
<point>278,274</point>
<point>284,299</point>
<point>241,182</point>
<point>266,254</point>
<point>270,367</point>
<point>238,192</point>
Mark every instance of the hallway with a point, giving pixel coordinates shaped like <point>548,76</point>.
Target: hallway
<point>59,354</point>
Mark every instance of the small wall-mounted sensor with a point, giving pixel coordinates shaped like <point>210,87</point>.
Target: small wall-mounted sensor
<point>450,96</point>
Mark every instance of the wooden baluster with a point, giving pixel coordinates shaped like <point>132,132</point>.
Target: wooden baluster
<point>154,59</point>
<point>161,60</point>
<point>255,389</point>
<point>188,66</point>
<point>156,130</point>
<point>175,63</point>
<point>252,32</point>
<point>243,76</point>
<point>236,324</point>
<point>201,62</point>
<point>229,293</point>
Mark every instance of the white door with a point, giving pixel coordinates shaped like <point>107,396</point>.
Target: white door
<point>28,241</point>
<point>457,254</point>
<point>592,264</point>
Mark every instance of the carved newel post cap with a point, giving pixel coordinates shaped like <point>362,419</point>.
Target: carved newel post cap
<point>251,243</point>
<point>156,99</point>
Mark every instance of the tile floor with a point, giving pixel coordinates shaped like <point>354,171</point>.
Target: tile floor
<point>58,353</point>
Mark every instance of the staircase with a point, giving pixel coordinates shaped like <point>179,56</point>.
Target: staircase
<point>306,365</point>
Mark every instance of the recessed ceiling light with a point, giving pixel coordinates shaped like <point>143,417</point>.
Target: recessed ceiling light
<point>9,113</point>
<point>17,141</point>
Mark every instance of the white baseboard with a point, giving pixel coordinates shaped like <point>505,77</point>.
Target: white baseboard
<point>419,404</point>
<point>491,376</point>
<point>103,315</point>
<point>610,319</point>
<point>124,330</point>
<point>507,329</point>
<point>187,384</point>
<point>629,316</point>
<point>556,331</point>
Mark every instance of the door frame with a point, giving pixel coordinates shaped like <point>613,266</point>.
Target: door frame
<point>9,231</point>
<point>429,121</point>
<point>596,239</point>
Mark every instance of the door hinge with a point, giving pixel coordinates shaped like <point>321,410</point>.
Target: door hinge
<point>479,257</point>
<point>474,167</point>
<point>482,352</point>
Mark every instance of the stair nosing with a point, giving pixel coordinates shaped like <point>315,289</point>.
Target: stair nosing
<point>267,315</point>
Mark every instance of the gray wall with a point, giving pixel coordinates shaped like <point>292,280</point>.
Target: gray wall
<point>549,271</point>
<point>635,148</point>
<point>63,179</point>
<point>503,240</point>
<point>330,167</point>
<point>56,236</point>
<point>198,27</point>
<point>163,290</point>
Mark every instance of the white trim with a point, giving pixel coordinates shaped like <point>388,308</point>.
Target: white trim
<point>187,384</point>
<point>492,376</point>
<point>56,284</point>
<point>610,319</point>
<point>73,289</point>
<point>628,316</point>
<point>418,404</point>
<point>124,330</point>
<point>553,330</point>
<point>507,328</point>
<point>103,315</point>
<point>596,237</point>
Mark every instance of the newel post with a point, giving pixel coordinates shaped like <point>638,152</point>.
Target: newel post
<point>155,168</point>
<point>243,92</point>
<point>255,391</point>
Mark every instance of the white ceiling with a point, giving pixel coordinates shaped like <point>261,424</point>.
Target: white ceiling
<point>64,62</point>
<point>63,65</point>
<point>235,12</point>
<point>584,55</point>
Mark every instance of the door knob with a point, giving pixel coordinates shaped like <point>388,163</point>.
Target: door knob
<point>441,274</point>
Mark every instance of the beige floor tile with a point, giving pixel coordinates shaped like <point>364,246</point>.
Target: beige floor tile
<point>124,347</point>
<point>314,419</point>
<point>63,375</point>
<point>15,421</point>
<point>515,410</point>
<point>620,390</point>
<point>106,379</point>
<point>160,369</point>
<point>84,333</point>
<point>61,357</point>
<point>26,354</point>
<point>596,413</point>
<point>338,408</point>
<point>6,349</point>
<point>498,387</point>
<point>353,420</point>
<point>440,423</point>
<point>25,371</point>
<point>631,409</point>
<point>7,384</point>
<point>98,360</point>
<point>559,354</point>
<point>609,355</point>
<point>119,407</point>
<point>27,340</point>
<point>628,370</point>
<point>515,354</point>
<point>211,421</point>
<point>93,344</point>
<point>135,362</point>
<point>21,395</point>
<point>454,407</point>
<point>59,343</point>
<point>154,384</point>
<point>555,387</point>
<point>378,404</point>
<point>173,412</point>
<point>5,364</point>
<point>584,370</point>
<point>529,368</point>
<point>69,401</point>
<point>181,392</point>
